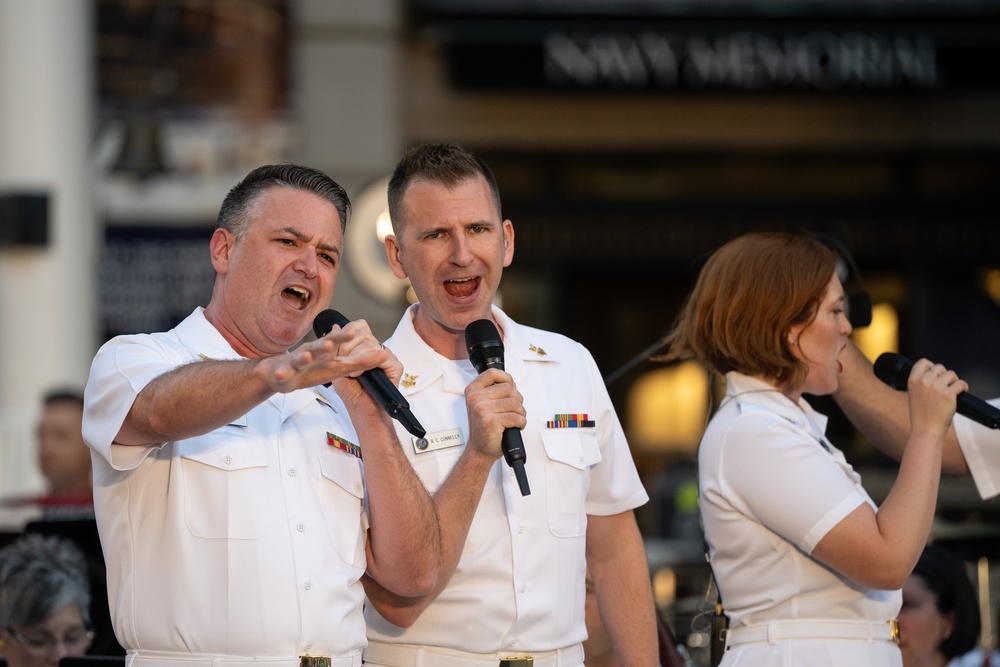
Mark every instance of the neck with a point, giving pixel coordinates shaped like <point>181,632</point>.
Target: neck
<point>449,343</point>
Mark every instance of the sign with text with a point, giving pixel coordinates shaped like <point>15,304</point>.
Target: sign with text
<point>727,56</point>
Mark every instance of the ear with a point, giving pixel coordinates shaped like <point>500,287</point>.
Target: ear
<point>392,253</point>
<point>793,340</point>
<point>508,242</point>
<point>949,625</point>
<point>221,248</point>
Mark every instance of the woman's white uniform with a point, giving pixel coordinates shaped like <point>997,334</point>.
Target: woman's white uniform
<point>771,487</point>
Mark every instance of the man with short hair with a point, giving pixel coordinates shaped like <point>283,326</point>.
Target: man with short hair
<point>514,565</point>
<point>235,512</point>
<point>63,456</point>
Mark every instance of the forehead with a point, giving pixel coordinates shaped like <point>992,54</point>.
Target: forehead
<point>63,409</point>
<point>834,289</point>
<point>431,203</point>
<point>280,207</point>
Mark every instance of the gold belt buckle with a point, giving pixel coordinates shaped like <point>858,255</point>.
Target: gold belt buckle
<point>523,661</point>
<point>894,631</point>
<point>314,661</point>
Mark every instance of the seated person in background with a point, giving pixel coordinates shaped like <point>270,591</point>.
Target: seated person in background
<point>44,602</point>
<point>939,619</point>
<point>63,456</point>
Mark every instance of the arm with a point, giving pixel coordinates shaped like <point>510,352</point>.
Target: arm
<point>880,549</point>
<point>202,396</point>
<point>404,540</point>
<point>617,561</point>
<point>882,414</point>
<point>493,405</point>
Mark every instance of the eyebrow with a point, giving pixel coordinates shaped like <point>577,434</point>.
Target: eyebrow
<point>302,237</point>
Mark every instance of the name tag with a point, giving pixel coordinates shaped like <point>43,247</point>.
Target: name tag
<point>440,440</point>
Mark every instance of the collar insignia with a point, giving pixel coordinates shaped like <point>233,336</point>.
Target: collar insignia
<point>537,350</point>
<point>408,381</point>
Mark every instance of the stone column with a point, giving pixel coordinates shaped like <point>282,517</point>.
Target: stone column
<point>48,316</point>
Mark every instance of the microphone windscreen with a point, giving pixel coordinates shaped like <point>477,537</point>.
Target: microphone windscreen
<point>893,369</point>
<point>324,322</point>
<point>483,342</point>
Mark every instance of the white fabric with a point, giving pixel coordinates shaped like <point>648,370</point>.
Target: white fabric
<point>520,583</point>
<point>981,447</point>
<point>976,658</point>
<point>769,492</point>
<point>247,541</point>
<point>401,655</point>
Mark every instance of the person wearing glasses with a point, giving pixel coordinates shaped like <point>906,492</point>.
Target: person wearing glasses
<point>44,601</point>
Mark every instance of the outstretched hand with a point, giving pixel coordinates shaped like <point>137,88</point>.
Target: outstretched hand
<point>344,353</point>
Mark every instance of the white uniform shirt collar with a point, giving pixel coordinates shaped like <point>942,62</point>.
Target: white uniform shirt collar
<point>750,392</point>
<point>422,365</point>
<point>200,336</point>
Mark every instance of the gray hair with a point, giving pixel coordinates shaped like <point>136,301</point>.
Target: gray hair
<point>238,206</point>
<point>39,575</point>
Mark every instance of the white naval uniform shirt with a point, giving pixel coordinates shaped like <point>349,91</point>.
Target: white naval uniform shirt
<point>519,585</point>
<point>769,492</point>
<point>981,447</point>
<point>246,541</point>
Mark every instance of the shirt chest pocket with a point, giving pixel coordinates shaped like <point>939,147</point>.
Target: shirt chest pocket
<point>227,493</point>
<point>570,454</point>
<point>342,492</point>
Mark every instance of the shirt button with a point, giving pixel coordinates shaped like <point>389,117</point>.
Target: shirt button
<point>228,460</point>
<point>510,472</point>
<point>291,472</point>
<point>309,585</point>
<point>520,528</point>
<point>301,527</point>
<point>513,642</point>
<point>357,487</point>
<point>581,460</point>
<point>307,647</point>
<point>524,589</point>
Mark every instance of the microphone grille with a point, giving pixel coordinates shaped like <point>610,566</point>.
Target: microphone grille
<point>324,322</point>
<point>893,369</point>
<point>483,342</point>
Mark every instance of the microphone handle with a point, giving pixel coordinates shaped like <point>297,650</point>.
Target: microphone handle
<point>378,385</point>
<point>513,454</point>
<point>977,410</point>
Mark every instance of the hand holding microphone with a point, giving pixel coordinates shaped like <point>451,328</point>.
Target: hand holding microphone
<point>374,380</point>
<point>894,370</point>
<point>485,347</point>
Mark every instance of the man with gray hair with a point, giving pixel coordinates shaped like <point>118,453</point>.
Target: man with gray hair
<point>236,515</point>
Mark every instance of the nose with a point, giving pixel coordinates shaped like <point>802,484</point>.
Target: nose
<point>846,327</point>
<point>58,652</point>
<point>460,254</point>
<point>306,263</point>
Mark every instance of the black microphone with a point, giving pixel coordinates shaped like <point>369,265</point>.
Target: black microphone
<point>894,370</point>
<point>482,340</point>
<point>374,380</point>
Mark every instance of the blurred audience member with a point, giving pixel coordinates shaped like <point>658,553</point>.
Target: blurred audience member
<point>939,620</point>
<point>44,602</point>
<point>63,456</point>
